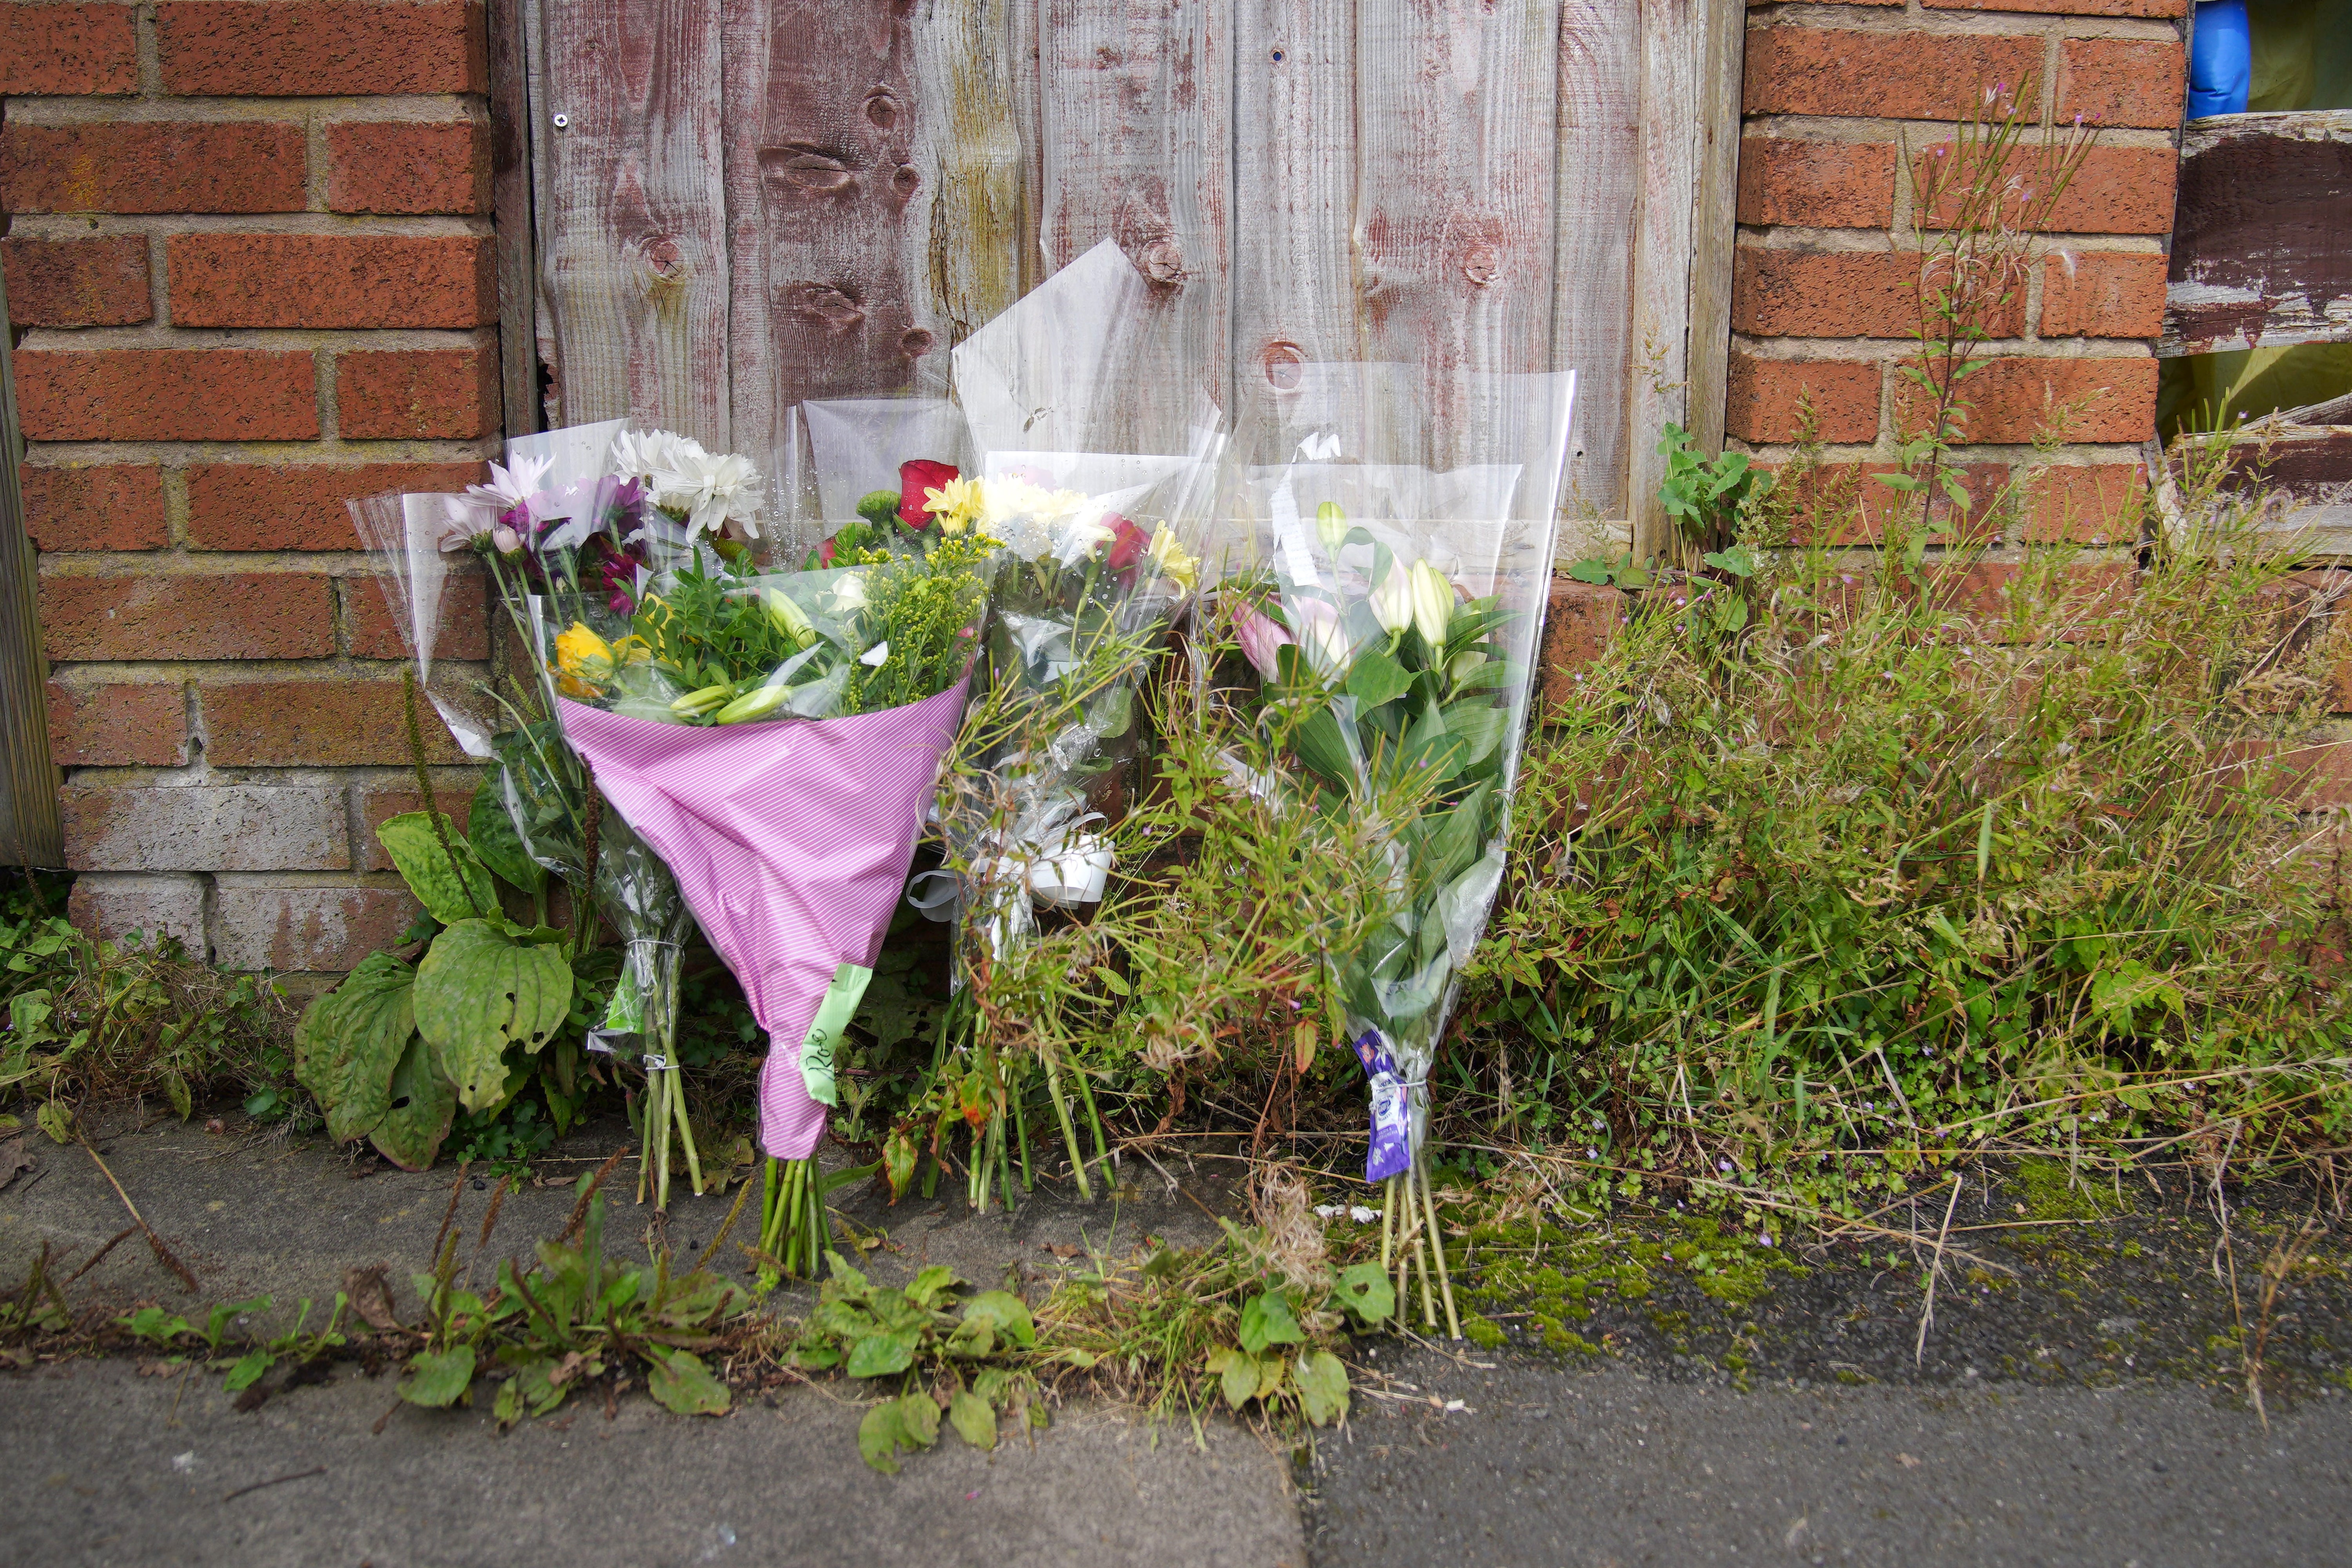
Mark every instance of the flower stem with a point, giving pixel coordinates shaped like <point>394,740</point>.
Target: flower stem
<point>1069,1134</point>
<point>1437,1240</point>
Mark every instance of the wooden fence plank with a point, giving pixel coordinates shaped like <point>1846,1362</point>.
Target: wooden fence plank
<point>2260,251</point>
<point>1292,269</point>
<point>1657,386</point>
<point>31,833</point>
<point>1135,132</point>
<point>1599,139</point>
<point>1456,127</point>
<point>632,244</point>
<point>969,246</point>
<point>511,171</point>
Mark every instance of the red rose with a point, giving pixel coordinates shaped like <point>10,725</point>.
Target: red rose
<point>917,476</point>
<point>1128,543</point>
<point>825,553</point>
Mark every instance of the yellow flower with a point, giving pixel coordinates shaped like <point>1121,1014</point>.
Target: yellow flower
<point>1171,560</point>
<point>584,661</point>
<point>956,505</point>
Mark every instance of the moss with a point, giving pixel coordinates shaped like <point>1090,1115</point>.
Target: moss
<point>1483,1333</point>
<point>2051,1191</point>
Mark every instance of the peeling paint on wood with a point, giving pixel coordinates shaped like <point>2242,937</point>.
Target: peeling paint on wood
<point>2262,245</point>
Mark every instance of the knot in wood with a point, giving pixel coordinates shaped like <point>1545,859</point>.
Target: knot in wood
<point>663,256</point>
<point>1483,263</point>
<point>806,168</point>
<point>882,107</point>
<point>1163,261</point>
<point>903,179</point>
<point>827,306</point>
<point>916,343</point>
<point>1282,362</point>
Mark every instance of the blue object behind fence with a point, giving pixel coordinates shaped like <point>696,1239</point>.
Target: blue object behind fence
<point>2221,60</point>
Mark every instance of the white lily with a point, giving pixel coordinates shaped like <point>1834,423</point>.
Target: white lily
<point>1391,599</point>
<point>1433,603</point>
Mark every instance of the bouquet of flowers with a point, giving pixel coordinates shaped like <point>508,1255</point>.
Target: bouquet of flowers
<point>1096,518</point>
<point>572,517</point>
<point>1395,620</point>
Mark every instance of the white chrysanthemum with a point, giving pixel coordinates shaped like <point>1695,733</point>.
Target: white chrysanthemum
<point>642,457</point>
<point>712,490</point>
<point>1032,521</point>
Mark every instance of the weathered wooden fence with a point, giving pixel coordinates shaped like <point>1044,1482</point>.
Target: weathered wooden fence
<point>714,211</point>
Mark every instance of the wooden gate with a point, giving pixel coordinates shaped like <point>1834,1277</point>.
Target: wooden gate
<point>715,210</point>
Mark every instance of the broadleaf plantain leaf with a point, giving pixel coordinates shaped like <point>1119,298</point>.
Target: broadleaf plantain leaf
<point>423,1106</point>
<point>491,832</point>
<point>480,991</point>
<point>350,1044</point>
<point>416,853</point>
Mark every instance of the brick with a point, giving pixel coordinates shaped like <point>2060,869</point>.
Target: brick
<point>253,614</point>
<point>339,722</point>
<point>2121,81</point>
<point>330,280</point>
<point>119,724</point>
<point>2118,190</point>
<point>1846,503</point>
<point>1816,184</point>
<point>166,394</point>
<point>1897,76</point>
<point>1582,617</point>
<point>108,505</point>
<point>258,506</point>
<point>147,166</point>
<point>1839,294</point>
<point>2012,400</point>
<point>110,908</point>
<point>69,49</point>
<point>407,166</point>
<point>297,48</point>
<point>379,806</point>
<point>372,631</point>
<point>1762,396</point>
<point>78,282</point>
<point>1987,589</point>
<point>408,394</point>
<point>2103,294</point>
<point>306,929</point>
<point>2085,503</point>
<point>232,827</point>
<point>2068,7</point>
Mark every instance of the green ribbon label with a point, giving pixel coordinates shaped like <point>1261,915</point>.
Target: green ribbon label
<point>833,1015</point>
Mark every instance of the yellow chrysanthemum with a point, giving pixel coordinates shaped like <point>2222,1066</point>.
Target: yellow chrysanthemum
<point>1171,560</point>
<point>956,505</point>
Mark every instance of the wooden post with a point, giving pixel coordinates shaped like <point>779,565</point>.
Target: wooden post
<point>510,157</point>
<point>30,832</point>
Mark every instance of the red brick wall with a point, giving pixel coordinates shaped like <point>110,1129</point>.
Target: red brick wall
<point>1824,297</point>
<point>250,262</point>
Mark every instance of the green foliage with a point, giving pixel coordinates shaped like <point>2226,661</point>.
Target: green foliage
<point>99,1020</point>
<point>394,1051</point>
<point>1707,497</point>
<point>932,1340</point>
<point>1887,874</point>
<point>575,1315</point>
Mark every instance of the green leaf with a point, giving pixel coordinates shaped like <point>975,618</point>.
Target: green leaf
<point>436,1378</point>
<point>416,853</point>
<point>249,1370</point>
<point>55,1119</point>
<point>154,1325</point>
<point>1322,748</point>
<point>1268,1320</point>
<point>1593,569</point>
<point>879,1355</point>
<point>974,1421</point>
<point>1364,1290</point>
<point>927,1287</point>
<point>491,832</point>
<point>1322,1386</point>
<point>350,1042</point>
<point>682,1384</point>
<point>919,1417</point>
<point>422,1105</point>
<point>1239,1377</point>
<point>1739,561</point>
<point>478,992</point>
<point>1376,678</point>
<point>507,1410</point>
<point>1003,1312</point>
<point>880,1436</point>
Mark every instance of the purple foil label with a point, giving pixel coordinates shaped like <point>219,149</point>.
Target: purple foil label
<point>1392,1150</point>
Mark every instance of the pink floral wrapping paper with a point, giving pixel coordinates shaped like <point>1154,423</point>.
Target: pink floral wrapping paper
<point>790,842</point>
